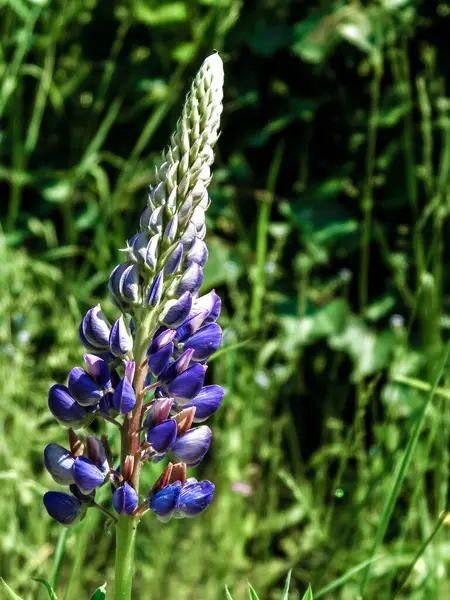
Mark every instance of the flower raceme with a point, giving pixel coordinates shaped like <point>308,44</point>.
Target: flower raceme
<point>144,372</point>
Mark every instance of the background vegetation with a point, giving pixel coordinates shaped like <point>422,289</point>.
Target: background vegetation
<point>328,242</point>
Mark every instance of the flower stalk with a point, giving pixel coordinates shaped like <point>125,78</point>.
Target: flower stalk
<point>145,372</point>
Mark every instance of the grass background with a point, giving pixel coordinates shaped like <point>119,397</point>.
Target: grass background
<point>328,237</point>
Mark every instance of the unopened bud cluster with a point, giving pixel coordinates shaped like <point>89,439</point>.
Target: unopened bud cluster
<point>145,372</point>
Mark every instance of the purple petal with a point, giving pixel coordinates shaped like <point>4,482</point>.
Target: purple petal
<point>192,446</point>
<point>98,370</point>
<point>124,398</point>
<point>177,366</point>
<point>177,311</point>
<point>186,386</point>
<point>173,262</point>
<point>163,435</point>
<point>206,402</point>
<point>158,411</point>
<point>129,283</point>
<point>210,302</point>
<point>164,503</point>
<point>125,499</point>
<point>161,340</point>
<point>83,388</point>
<point>59,462</point>
<point>87,475</point>
<point>159,361</point>
<point>94,329</point>
<point>198,253</point>
<point>64,508</point>
<point>195,498</point>
<point>120,343</point>
<point>155,290</point>
<point>191,280</point>
<point>205,341</point>
<point>65,408</point>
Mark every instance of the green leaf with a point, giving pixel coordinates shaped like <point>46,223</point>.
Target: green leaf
<point>227,593</point>
<point>308,595</point>
<point>50,590</point>
<point>251,593</point>
<point>169,13</point>
<point>100,593</point>
<point>57,192</point>
<point>285,595</point>
<point>9,591</point>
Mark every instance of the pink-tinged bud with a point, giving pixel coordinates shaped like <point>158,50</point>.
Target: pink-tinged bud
<point>163,479</point>
<point>178,473</point>
<point>128,467</point>
<point>129,370</point>
<point>184,419</point>
<point>159,411</point>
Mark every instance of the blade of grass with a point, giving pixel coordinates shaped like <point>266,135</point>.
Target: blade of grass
<point>401,471</point>
<point>285,595</point>
<point>262,237</point>
<point>345,577</point>
<point>419,553</point>
<point>59,554</point>
<point>227,593</point>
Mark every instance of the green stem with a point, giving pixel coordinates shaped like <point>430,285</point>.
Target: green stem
<point>125,542</point>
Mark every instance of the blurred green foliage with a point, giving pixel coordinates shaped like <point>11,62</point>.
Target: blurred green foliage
<point>327,236</point>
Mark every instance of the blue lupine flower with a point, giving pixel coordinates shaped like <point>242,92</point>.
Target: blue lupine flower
<point>65,408</point>
<point>195,497</point>
<point>87,474</point>
<point>120,343</point>
<point>191,447</point>
<point>64,508</point>
<point>163,436</point>
<point>59,462</point>
<point>94,330</point>
<point>83,388</point>
<point>125,499</point>
<point>157,285</point>
<point>165,502</point>
<point>206,402</point>
<point>124,397</point>
<point>186,386</point>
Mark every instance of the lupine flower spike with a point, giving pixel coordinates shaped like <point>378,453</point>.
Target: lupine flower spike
<point>144,371</point>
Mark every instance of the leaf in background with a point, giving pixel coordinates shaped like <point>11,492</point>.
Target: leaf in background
<point>321,323</point>
<point>9,591</point>
<point>50,590</point>
<point>379,308</point>
<point>308,595</point>
<point>285,595</point>
<point>100,593</point>
<point>251,593</point>
<point>152,13</point>
<point>316,36</point>
<point>370,352</point>
<point>57,192</point>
